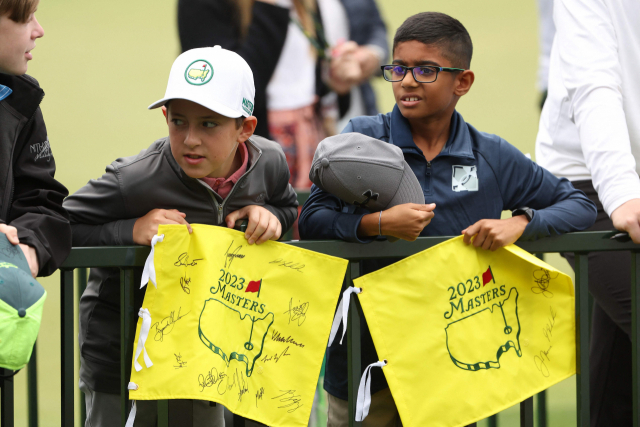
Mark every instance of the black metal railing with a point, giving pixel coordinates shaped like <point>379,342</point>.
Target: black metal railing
<point>129,258</point>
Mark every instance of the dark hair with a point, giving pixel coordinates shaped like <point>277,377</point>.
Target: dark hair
<point>18,10</point>
<point>434,28</point>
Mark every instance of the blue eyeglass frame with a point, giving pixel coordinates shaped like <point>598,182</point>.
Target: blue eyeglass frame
<point>413,73</point>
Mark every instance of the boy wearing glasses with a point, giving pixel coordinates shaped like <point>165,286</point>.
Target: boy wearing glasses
<point>470,176</point>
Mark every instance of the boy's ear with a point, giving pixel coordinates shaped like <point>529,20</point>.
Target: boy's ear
<point>164,111</point>
<point>464,81</point>
<point>248,127</point>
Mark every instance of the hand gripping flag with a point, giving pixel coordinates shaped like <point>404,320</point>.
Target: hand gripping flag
<point>466,333</point>
<point>242,325</point>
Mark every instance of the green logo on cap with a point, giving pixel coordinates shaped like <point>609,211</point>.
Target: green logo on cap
<point>198,72</point>
<point>247,106</point>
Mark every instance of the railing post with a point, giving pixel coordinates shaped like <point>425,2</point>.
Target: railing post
<point>353,345</point>
<point>67,346</point>
<point>163,413</point>
<point>542,407</point>
<point>526,413</point>
<point>582,339</point>
<point>635,334</point>
<point>32,387</point>
<point>126,338</point>
<point>6,400</point>
<point>542,396</point>
<point>81,280</point>
<point>492,421</point>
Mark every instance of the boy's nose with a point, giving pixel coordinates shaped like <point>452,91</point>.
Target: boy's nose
<point>191,140</point>
<point>408,79</point>
<point>38,31</point>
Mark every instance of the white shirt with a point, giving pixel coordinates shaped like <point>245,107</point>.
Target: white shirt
<point>590,123</point>
<point>546,33</point>
<point>293,84</point>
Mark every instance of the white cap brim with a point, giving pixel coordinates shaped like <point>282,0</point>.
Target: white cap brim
<point>211,105</point>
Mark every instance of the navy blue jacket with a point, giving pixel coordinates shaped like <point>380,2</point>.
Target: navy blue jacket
<point>506,180</point>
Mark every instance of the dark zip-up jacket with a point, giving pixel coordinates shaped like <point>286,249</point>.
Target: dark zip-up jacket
<point>476,176</point>
<point>104,211</point>
<point>30,197</point>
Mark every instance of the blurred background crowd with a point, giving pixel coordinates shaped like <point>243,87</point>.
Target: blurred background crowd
<point>316,64</point>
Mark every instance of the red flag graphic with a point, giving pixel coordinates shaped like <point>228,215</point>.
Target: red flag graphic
<point>487,276</point>
<point>254,286</point>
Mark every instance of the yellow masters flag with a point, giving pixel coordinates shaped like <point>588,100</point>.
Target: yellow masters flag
<point>243,325</point>
<point>468,332</point>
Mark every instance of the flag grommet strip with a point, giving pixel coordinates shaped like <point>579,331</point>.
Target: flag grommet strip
<point>341,314</point>
<point>363,401</point>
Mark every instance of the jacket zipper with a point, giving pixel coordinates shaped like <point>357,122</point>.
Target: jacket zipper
<point>241,179</point>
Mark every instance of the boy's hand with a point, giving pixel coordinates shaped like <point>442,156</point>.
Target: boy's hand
<point>29,252</point>
<point>147,226</point>
<point>491,234</point>
<point>10,232</point>
<point>263,225</point>
<point>627,218</point>
<point>32,259</point>
<point>402,221</point>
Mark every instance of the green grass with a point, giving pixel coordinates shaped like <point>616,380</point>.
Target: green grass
<point>102,63</point>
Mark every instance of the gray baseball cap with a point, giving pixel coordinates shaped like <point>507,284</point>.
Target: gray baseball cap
<point>21,302</point>
<point>364,171</point>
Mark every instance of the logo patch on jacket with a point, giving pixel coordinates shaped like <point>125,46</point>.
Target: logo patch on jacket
<point>464,178</point>
<point>41,150</point>
<point>198,72</point>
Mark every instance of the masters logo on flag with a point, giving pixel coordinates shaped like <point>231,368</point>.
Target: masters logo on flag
<point>243,325</point>
<point>498,326</point>
<point>198,72</point>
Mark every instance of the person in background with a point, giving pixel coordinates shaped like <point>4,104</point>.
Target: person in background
<point>547,30</point>
<point>254,29</point>
<point>590,133</point>
<point>334,46</point>
<point>31,213</point>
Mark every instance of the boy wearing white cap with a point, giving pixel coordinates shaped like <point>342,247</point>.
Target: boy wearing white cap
<point>210,170</point>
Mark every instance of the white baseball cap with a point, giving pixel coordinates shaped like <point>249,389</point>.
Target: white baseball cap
<point>216,78</point>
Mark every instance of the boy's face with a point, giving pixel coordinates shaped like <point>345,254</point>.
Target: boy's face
<point>418,101</point>
<point>202,141</point>
<point>17,41</point>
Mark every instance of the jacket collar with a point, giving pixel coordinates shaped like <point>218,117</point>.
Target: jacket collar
<point>458,144</point>
<point>4,92</point>
<point>27,94</point>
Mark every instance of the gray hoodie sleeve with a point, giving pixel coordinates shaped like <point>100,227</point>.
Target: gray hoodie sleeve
<point>98,214</point>
<point>283,203</point>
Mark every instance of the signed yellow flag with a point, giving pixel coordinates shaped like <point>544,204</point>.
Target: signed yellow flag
<point>467,332</point>
<point>243,325</point>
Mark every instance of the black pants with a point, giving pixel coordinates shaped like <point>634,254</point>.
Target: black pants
<point>610,353</point>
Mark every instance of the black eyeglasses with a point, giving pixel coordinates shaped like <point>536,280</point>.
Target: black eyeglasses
<point>421,74</point>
